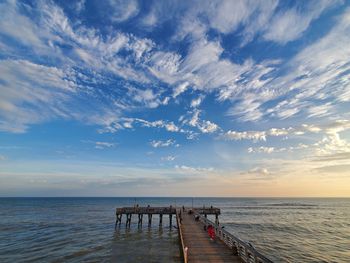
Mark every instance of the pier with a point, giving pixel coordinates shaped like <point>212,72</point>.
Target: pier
<point>195,244</point>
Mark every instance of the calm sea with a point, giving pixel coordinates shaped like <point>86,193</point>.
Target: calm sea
<point>82,229</point>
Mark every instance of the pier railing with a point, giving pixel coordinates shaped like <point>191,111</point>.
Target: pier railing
<point>183,247</point>
<point>246,251</point>
<point>146,210</point>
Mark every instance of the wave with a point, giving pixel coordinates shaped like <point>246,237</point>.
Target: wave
<point>292,204</point>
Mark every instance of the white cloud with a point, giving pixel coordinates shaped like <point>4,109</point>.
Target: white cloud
<point>97,52</point>
<point>190,26</point>
<point>290,24</point>
<point>91,53</point>
<point>279,132</point>
<point>196,102</point>
<point>269,150</point>
<point>21,28</point>
<point>259,174</point>
<point>32,93</point>
<point>142,97</point>
<point>165,66</point>
<point>204,70</point>
<point>259,21</point>
<point>261,149</point>
<point>317,73</point>
<point>180,89</point>
<point>167,143</point>
<point>225,16</point>
<point>309,128</point>
<point>168,158</point>
<point>103,145</point>
<point>201,54</point>
<point>308,82</point>
<point>99,55</point>
<point>336,126</point>
<point>120,10</point>
<point>113,122</point>
<point>208,127</point>
<point>80,6</point>
<point>259,170</point>
<point>320,110</point>
<point>150,20</point>
<point>245,135</point>
<point>171,127</point>
<point>331,144</point>
<point>127,125</point>
<point>204,126</point>
<point>311,82</point>
<point>195,170</point>
<point>195,118</point>
<point>329,128</point>
<point>100,144</point>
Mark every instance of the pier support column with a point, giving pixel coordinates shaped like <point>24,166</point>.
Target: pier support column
<point>140,219</point>
<point>118,220</point>
<point>170,220</point>
<point>160,219</point>
<point>128,219</point>
<point>149,219</point>
<point>216,219</point>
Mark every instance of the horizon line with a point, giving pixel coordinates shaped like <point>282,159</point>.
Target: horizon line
<point>189,197</point>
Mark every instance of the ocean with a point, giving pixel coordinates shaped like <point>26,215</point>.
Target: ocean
<point>82,229</point>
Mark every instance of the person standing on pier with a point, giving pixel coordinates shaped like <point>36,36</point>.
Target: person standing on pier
<point>211,232</point>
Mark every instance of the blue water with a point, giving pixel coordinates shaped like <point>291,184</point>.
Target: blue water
<point>82,229</point>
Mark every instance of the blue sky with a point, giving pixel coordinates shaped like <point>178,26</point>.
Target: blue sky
<point>175,98</point>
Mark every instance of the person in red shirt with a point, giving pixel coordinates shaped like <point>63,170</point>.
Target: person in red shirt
<point>211,232</point>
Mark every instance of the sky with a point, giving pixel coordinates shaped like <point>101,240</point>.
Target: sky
<point>175,98</point>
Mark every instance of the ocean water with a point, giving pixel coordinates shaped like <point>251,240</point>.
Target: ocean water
<point>82,229</point>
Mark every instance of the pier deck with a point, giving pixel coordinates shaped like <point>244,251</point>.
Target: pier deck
<point>200,247</point>
<point>195,243</point>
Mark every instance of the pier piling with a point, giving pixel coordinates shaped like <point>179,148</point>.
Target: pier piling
<point>160,219</point>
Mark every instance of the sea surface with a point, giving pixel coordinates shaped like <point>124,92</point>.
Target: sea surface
<point>82,229</point>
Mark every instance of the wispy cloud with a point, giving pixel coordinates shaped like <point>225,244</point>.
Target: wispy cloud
<point>103,145</point>
<point>33,93</point>
<point>330,128</point>
<point>204,126</point>
<point>167,143</point>
<point>249,135</point>
<point>335,169</point>
<point>258,174</point>
<point>261,149</point>
<point>290,24</point>
<point>256,135</point>
<point>121,10</point>
<point>168,158</point>
<point>269,150</point>
<point>333,157</point>
<point>195,170</point>
<point>196,102</point>
<point>141,60</point>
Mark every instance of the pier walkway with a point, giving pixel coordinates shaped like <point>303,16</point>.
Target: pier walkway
<point>200,247</point>
<point>195,244</point>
